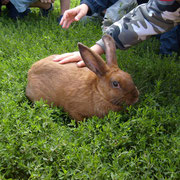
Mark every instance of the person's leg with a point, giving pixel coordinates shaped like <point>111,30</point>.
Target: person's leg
<point>45,8</point>
<point>64,5</point>
<point>41,5</point>
<point>13,12</point>
<point>169,42</point>
<point>19,9</point>
<point>178,37</point>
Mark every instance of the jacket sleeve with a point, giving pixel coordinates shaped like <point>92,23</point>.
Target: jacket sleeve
<point>97,6</point>
<point>154,17</point>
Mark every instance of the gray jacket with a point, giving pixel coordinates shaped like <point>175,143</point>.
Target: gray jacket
<point>152,18</point>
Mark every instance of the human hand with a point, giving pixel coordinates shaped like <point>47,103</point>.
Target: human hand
<point>76,57</point>
<point>4,2</point>
<point>47,1</point>
<point>70,57</point>
<point>74,14</point>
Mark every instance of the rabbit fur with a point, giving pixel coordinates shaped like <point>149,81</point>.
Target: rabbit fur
<point>83,92</point>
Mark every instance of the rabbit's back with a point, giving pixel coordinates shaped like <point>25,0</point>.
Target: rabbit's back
<point>56,83</point>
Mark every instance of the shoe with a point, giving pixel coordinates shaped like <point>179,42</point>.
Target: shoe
<point>14,14</point>
<point>45,12</point>
<point>26,12</point>
<point>59,19</point>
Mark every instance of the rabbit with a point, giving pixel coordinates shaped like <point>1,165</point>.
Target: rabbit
<point>93,90</point>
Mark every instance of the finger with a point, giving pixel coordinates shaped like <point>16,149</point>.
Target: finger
<point>69,60</point>
<point>65,24</point>
<point>68,24</point>
<point>76,18</point>
<point>64,20</point>
<point>79,16</point>
<point>81,64</point>
<point>61,57</point>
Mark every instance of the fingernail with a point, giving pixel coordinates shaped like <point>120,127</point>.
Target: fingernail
<point>79,64</point>
<point>61,62</point>
<point>56,57</point>
<point>76,18</point>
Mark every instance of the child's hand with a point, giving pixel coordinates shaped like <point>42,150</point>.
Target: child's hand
<point>70,57</point>
<point>74,14</point>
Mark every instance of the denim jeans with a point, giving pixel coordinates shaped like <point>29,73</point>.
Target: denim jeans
<point>170,41</point>
<point>13,13</point>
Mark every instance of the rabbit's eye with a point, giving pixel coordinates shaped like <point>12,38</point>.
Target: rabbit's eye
<point>115,84</point>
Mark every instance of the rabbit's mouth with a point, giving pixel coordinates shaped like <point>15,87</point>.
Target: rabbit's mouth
<point>132,97</point>
<point>128,99</point>
<point>132,102</point>
<point>118,102</point>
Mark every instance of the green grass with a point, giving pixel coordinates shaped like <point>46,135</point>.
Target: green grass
<point>40,142</point>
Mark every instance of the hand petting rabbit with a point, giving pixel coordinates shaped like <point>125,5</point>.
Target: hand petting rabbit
<point>83,92</point>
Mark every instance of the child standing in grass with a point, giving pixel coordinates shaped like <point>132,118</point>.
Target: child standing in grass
<point>145,20</point>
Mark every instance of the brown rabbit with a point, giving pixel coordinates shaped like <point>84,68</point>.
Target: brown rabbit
<point>83,92</point>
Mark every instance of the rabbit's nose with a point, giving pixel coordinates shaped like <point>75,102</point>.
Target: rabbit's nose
<point>133,97</point>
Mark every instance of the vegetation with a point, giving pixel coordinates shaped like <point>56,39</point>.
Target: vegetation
<point>42,142</point>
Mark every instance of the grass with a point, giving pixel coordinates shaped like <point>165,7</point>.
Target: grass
<point>41,142</point>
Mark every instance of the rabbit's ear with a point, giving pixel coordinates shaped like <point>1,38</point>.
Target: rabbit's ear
<point>110,50</point>
<point>92,60</point>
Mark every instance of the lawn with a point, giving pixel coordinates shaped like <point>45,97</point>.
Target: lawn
<point>42,142</point>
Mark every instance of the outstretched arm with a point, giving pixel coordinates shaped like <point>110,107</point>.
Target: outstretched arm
<point>86,7</point>
<point>154,17</point>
